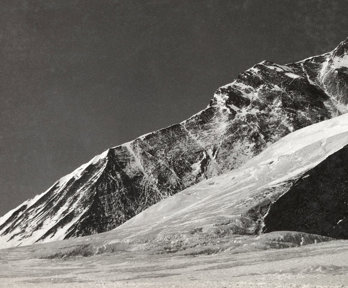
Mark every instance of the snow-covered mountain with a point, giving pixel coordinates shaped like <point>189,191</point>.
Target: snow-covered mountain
<point>296,189</point>
<point>262,105</point>
<point>297,184</point>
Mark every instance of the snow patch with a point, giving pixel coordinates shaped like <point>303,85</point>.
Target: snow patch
<point>292,75</point>
<point>339,62</point>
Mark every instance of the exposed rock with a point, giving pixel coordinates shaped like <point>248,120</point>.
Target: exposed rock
<point>317,202</point>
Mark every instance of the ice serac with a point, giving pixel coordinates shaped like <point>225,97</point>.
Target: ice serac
<point>262,105</point>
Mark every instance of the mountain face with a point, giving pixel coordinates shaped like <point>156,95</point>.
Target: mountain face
<point>293,193</point>
<point>262,105</point>
<point>298,184</point>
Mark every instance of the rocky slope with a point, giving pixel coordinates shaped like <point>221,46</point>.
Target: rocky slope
<point>262,105</point>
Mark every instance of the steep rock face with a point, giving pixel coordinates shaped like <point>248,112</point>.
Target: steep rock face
<point>262,105</point>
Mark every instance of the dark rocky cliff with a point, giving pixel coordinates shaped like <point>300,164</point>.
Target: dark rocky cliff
<point>317,202</point>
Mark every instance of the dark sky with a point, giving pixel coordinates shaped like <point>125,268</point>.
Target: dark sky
<point>79,76</point>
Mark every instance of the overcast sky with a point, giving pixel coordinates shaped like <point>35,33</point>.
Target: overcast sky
<point>79,76</point>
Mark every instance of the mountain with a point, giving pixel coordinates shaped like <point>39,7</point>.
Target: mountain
<point>293,193</point>
<point>262,105</point>
<point>298,184</point>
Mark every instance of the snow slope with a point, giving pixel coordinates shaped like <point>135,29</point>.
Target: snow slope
<point>322,265</point>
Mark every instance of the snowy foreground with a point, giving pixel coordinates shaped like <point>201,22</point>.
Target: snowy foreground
<point>316,265</point>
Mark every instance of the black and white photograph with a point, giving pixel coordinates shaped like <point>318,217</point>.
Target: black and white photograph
<point>173,143</point>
